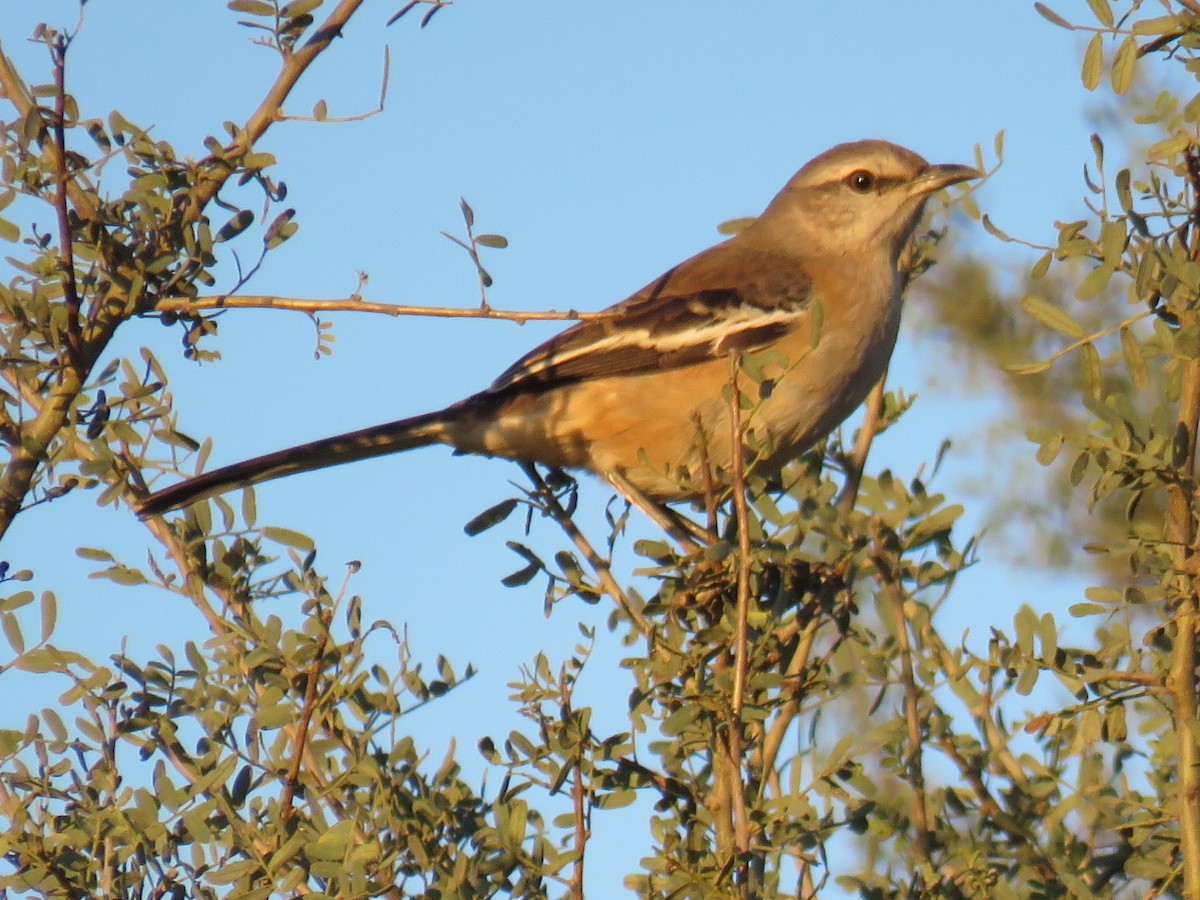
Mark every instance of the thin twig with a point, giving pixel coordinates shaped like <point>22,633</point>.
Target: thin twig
<point>1181,531</point>
<point>857,462</point>
<point>1191,6</point>
<point>300,739</point>
<point>354,303</point>
<point>741,820</point>
<point>599,565</point>
<point>742,514</point>
<point>787,712</point>
<point>66,240</point>
<point>268,111</point>
<point>580,833</point>
<point>360,117</point>
<point>578,790</point>
<point>14,89</point>
<point>912,700</point>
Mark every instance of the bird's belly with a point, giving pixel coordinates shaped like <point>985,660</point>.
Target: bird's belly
<point>669,432</point>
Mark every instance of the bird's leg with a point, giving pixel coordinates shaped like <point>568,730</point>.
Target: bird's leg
<point>686,532</point>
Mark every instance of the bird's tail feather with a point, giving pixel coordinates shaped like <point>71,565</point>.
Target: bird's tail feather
<point>378,440</point>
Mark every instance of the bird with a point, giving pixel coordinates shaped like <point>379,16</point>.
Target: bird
<point>640,395</point>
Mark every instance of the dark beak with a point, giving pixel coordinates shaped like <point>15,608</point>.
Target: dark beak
<point>934,178</point>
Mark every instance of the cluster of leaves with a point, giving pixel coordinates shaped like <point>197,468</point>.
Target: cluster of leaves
<point>270,759</point>
<point>795,714</point>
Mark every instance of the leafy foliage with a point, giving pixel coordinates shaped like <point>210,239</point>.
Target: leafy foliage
<point>795,716</point>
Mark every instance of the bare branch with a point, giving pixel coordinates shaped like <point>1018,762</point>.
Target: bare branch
<point>912,711</point>
<point>321,118</point>
<point>857,463</point>
<point>741,822</point>
<point>66,243</point>
<point>184,306</point>
<point>268,111</point>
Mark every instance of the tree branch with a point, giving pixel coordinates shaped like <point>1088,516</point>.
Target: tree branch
<point>912,711</point>
<point>217,169</point>
<point>187,306</point>
<point>66,239</point>
<point>1181,531</point>
<point>857,462</point>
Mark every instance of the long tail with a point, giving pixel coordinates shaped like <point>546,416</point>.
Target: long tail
<point>378,440</point>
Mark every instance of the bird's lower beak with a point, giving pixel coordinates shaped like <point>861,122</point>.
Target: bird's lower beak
<point>934,178</point>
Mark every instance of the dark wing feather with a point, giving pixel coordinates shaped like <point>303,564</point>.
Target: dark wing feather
<point>711,305</point>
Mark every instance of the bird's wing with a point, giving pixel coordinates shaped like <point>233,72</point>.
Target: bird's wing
<point>705,308</point>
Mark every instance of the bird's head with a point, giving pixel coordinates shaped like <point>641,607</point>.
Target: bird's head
<point>853,199</point>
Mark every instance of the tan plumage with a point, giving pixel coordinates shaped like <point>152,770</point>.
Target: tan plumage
<point>639,390</point>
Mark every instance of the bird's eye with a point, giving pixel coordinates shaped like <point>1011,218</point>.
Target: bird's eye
<point>861,181</point>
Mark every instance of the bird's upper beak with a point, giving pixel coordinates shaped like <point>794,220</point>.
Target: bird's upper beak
<point>936,177</point>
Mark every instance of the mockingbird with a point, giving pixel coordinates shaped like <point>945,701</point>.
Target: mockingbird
<point>639,396</point>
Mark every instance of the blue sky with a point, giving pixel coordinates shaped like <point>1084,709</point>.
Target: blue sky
<point>606,141</point>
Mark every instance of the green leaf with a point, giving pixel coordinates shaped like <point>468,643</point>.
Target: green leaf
<point>276,716</point>
<point>40,660</point>
<point>1041,266</point>
<point>497,241</point>
<point>280,229</point>
<point>1051,16</point>
<point>1093,63</point>
<point>678,721</point>
<point>226,874</point>
<point>258,160</point>
<point>1048,633</point>
<point>235,226</point>
<point>120,574</point>
<point>1027,680</point>
<point>1048,451</point>
<point>249,507</point>
<point>1101,594</point>
<point>288,538</point>
<point>617,799</point>
<point>1093,376</point>
<point>490,517</point>
<point>1124,194</point>
<point>1113,237</point>
<point>1124,65</point>
<point>9,231</point>
<point>49,614</point>
<point>990,227</point>
<point>12,632</point>
<point>1024,624</point>
<point>252,7</point>
<point>1134,361</point>
<point>299,8</point>
<point>1157,25</point>
<point>1051,316</point>
<point>935,524</point>
<point>93,554</point>
<point>1079,610</point>
<point>1079,468</point>
<point>1030,368</point>
<point>1094,282</point>
<point>1103,12</point>
<point>521,576</point>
